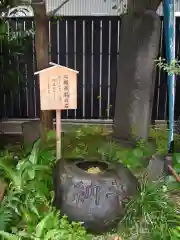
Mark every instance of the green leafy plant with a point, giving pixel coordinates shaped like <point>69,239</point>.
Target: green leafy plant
<point>175,232</point>
<point>24,171</point>
<point>5,217</point>
<point>171,180</point>
<point>172,68</point>
<point>15,42</point>
<point>48,228</point>
<point>151,215</point>
<point>28,203</point>
<point>26,211</point>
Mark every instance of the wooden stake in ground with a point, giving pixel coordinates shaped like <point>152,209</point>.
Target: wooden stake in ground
<point>58,91</point>
<point>58,134</point>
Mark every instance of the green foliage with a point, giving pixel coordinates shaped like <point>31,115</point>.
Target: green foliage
<point>5,217</point>
<point>26,211</point>
<point>172,68</point>
<point>48,228</point>
<point>15,44</point>
<point>175,232</point>
<point>151,215</point>
<point>172,184</point>
<point>78,143</point>
<point>176,161</point>
<point>4,4</point>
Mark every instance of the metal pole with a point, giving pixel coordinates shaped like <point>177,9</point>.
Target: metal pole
<point>169,26</point>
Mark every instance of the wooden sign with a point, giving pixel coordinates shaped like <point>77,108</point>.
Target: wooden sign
<point>58,91</point>
<point>58,88</point>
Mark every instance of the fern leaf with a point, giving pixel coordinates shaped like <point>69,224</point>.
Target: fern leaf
<point>9,236</point>
<point>5,218</point>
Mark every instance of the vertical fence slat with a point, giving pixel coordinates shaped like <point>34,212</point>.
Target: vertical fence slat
<point>100,73</point>
<point>70,55</point>
<point>58,52</point>
<point>79,65</point>
<point>19,84</point>
<point>162,87</point>
<point>4,102</point>
<point>2,80</point>
<point>88,67</point>
<point>62,47</point>
<point>26,77</point>
<point>36,77</point>
<point>49,30</point>
<point>92,68</point>
<point>30,71</point>
<point>53,44</point>
<point>8,93</point>
<point>96,68</point>
<point>75,64</point>
<point>34,69</point>
<point>84,68</point>
<point>104,67</point>
<point>109,72</point>
<point>67,59</point>
<point>53,40</point>
<point>157,81</point>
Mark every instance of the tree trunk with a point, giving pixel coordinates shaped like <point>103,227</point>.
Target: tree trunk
<point>139,41</point>
<point>42,53</point>
<point>142,5</point>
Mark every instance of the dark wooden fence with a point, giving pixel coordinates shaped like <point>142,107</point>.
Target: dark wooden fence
<point>88,44</point>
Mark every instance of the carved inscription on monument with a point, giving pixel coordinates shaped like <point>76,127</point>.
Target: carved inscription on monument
<point>84,192</point>
<point>115,189</point>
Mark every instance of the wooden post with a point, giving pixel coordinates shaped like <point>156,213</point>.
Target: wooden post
<point>58,134</point>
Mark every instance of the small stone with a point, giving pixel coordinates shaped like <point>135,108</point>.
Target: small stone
<point>155,169</point>
<point>31,132</point>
